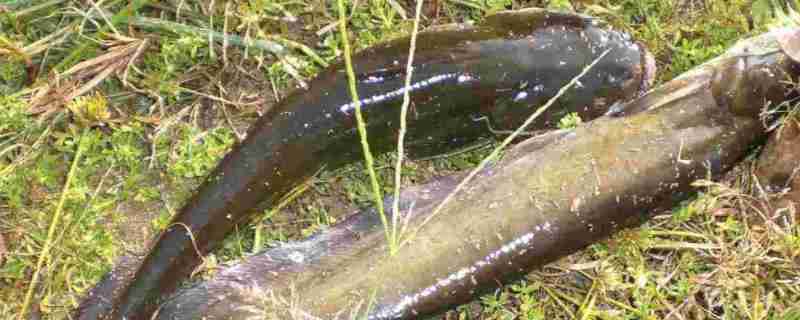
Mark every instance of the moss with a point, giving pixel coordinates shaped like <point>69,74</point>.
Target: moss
<point>198,152</point>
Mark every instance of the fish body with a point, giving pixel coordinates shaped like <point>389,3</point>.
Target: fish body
<point>499,71</point>
<point>547,201</point>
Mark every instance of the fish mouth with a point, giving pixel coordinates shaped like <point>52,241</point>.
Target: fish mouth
<point>789,41</point>
<point>649,69</point>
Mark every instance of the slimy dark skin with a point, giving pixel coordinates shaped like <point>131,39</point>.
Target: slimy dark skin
<point>501,70</point>
<point>552,197</point>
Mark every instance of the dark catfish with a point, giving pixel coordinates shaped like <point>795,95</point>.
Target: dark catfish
<point>552,197</point>
<point>464,77</point>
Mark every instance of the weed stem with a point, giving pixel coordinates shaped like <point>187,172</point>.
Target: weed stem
<point>502,145</point>
<point>53,224</point>
<point>362,129</point>
<point>398,170</point>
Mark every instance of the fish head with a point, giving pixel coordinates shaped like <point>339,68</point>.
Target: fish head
<point>789,41</point>
<point>755,75</point>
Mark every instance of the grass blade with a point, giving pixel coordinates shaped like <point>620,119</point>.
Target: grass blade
<point>52,230</point>
<point>398,170</point>
<point>362,129</point>
<point>502,145</point>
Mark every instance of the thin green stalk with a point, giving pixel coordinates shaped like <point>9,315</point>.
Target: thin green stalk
<point>398,170</point>
<point>270,43</point>
<point>174,27</point>
<point>362,129</point>
<point>502,145</point>
<point>589,303</point>
<point>18,13</point>
<point>554,294</point>
<point>52,230</point>
<point>258,242</point>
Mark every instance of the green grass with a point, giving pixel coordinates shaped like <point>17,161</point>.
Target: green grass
<point>153,139</point>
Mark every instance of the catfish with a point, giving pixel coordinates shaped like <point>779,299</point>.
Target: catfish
<point>468,81</point>
<point>549,197</point>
